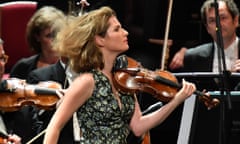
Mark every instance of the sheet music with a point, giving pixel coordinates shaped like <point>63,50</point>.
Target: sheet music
<point>186,121</point>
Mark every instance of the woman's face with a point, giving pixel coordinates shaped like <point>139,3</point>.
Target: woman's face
<point>116,37</point>
<point>46,38</point>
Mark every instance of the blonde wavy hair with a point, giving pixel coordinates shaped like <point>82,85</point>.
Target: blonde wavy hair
<point>77,40</point>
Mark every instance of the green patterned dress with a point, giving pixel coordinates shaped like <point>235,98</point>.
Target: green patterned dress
<point>100,118</point>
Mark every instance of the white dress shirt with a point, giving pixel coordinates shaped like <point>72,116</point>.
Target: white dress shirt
<point>231,55</point>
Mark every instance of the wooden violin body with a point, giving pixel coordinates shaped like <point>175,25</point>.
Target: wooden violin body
<point>131,77</point>
<point>135,78</point>
<point>16,93</point>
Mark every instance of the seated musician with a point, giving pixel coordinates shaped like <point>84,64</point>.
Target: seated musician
<point>5,138</point>
<point>204,58</point>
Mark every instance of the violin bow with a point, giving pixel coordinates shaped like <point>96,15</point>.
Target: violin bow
<point>36,137</point>
<point>165,43</point>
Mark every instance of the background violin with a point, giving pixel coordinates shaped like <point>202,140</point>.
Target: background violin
<point>131,77</point>
<point>16,93</point>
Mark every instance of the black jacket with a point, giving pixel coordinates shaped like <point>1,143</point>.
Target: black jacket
<point>200,59</point>
<point>56,73</point>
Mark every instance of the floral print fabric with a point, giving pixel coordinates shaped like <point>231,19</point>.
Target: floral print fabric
<point>101,119</point>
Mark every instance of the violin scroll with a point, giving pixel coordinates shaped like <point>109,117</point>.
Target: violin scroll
<point>208,101</point>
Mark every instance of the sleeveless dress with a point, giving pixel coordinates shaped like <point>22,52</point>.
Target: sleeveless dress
<point>100,118</point>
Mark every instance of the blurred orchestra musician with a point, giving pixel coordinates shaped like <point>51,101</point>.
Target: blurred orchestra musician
<point>41,30</point>
<point>7,136</point>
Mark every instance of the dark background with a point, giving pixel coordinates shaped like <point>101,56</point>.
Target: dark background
<point>146,19</point>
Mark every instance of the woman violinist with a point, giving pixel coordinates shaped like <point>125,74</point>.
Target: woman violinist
<point>92,42</point>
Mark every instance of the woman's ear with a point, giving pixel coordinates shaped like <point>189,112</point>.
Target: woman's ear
<point>99,41</point>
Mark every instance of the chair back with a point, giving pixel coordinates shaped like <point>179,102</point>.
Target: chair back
<point>14,17</point>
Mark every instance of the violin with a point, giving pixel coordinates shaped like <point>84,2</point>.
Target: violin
<point>15,93</point>
<point>130,77</point>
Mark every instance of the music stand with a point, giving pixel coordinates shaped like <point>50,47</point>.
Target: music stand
<point>193,110</point>
<point>207,80</point>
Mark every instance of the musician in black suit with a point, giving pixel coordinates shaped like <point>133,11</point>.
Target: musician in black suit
<point>204,58</point>
<point>7,134</point>
<point>54,72</point>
